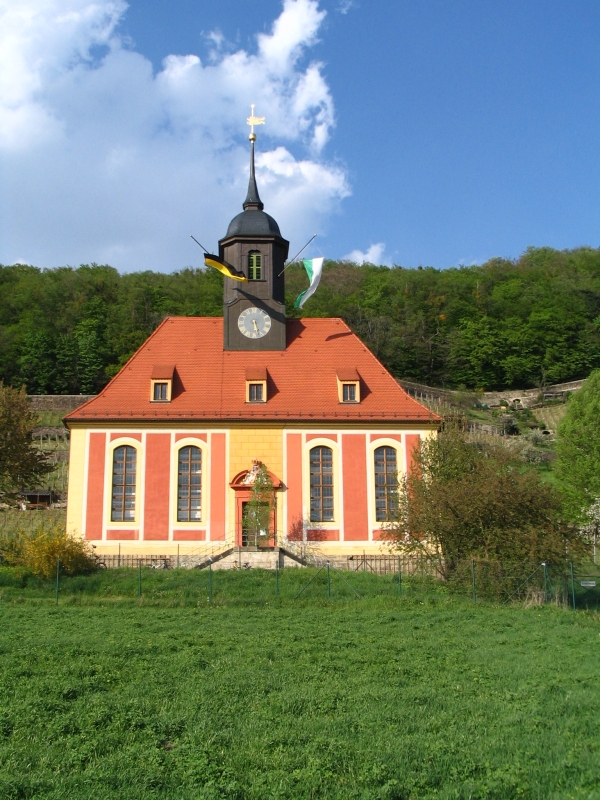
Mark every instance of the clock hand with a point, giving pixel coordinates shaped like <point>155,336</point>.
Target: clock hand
<point>255,325</point>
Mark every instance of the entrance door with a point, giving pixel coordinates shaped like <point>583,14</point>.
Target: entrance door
<point>257,529</point>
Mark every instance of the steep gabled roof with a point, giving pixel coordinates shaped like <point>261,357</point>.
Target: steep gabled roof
<point>210,383</point>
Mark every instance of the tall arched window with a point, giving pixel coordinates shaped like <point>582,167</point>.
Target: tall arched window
<point>254,266</point>
<point>123,484</point>
<point>386,483</point>
<point>321,484</point>
<point>189,484</point>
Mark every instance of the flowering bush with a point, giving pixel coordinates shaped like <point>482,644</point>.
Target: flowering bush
<point>38,552</point>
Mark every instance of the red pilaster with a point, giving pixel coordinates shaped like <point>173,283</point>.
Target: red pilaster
<point>218,487</point>
<point>294,486</point>
<point>95,486</point>
<point>412,442</point>
<point>354,470</point>
<point>156,506</point>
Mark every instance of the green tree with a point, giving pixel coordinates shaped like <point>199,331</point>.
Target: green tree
<point>467,500</point>
<point>67,355</point>
<point>89,358</point>
<point>496,325</point>
<point>578,448</point>
<point>21,464</point>
<point>37,362</point>
<point>257,519</point>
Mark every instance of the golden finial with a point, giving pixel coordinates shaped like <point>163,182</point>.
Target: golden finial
<point>252,121</point>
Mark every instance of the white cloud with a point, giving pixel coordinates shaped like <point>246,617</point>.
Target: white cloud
<point>103,160</point>
<point>374,255</point>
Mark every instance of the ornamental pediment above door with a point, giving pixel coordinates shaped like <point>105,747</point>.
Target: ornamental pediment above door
<point>247,477</point>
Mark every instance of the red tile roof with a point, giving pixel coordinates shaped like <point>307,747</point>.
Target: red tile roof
<point>210,383</point>
<point>163,372</point>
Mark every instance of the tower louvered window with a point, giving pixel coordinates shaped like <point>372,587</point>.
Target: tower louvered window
<point>386,483</point>
<point>123,484</point>
<point>321,484</point>
<point>189,485</point>
<point>254,266</point>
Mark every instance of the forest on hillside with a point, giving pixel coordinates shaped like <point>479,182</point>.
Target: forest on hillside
<point>524,323</point>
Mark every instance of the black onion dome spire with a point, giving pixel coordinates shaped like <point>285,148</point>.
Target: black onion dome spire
<point>253,221</point>
<point>252,200</point>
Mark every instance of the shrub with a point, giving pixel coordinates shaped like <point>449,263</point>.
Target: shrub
<point>578,448</point>
<point>467,500</point>
<point>37,552</point>
<point>22,465</point>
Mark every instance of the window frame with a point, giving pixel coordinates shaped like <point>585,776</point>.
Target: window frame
<point>253,266</point>
<point>190,484</point>
<point>386,439</point>
<point>250,383</point>
<point>386,472</point>
<point>322,484</point>
<point>336,524</point>
<point>169,385</point>
<point>203,522</point>
<point>111,446</point>
<point>123,510</point>
<point>349,389</point>
<point>341,387</point>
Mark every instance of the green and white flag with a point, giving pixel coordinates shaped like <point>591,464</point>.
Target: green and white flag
<point>313,267</point>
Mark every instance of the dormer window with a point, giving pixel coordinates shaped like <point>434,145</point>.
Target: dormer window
<point>255,392</point>
<point>256,385</point>
<point>160,391</point>
<point>349,393</point>
<point>161,383</point>
<point>255,266</point>
<point>348,381</point>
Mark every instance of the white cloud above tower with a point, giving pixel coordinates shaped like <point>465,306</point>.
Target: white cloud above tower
<point>104,160</point>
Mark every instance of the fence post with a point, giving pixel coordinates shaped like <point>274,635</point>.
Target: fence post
<point>57,574</point>
<point>276,579</point>
<point>139,577</point>
<point>177,556</point>
<point>328,581</point>
<point>210,583</point>
<point>399,576</point>
<point>573,585</point>
<point>473,579</point>
<point>544,564</point>
<point>119,563</point>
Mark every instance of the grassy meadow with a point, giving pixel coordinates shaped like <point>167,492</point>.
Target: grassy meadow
<point>421,696</point>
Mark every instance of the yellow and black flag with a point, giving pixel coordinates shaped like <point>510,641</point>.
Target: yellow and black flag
<point>227,269</point>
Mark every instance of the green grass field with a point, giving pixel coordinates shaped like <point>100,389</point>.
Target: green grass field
<point>422,696</point>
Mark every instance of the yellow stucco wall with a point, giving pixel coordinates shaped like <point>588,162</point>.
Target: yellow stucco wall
<point>76,482</point>
<point>266,444</point>
<point>245,444</point>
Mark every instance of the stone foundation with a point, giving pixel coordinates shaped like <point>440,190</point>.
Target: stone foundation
<point>249,558</point>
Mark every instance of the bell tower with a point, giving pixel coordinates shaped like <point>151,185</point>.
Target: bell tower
<point>254,311</point>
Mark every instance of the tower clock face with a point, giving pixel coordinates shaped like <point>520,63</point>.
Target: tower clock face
<point>254,323</point>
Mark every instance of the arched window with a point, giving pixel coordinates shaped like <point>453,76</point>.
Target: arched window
<point>123,484</point>
<point>321,484</point>
<point>386,483</point>
<point>189,485</point>
<point>254,266</point>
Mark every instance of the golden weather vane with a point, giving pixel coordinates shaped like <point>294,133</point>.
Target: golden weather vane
<point>252,121</point>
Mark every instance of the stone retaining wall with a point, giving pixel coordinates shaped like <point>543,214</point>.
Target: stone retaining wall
<point>64,403</point>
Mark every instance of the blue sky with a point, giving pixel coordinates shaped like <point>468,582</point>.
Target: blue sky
<point>430,133</point>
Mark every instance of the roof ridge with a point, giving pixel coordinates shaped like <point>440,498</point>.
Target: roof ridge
<point>210,377</point>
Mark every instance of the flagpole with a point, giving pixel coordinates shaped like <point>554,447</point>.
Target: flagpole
<point>201,245</point>
<point>289,264</point>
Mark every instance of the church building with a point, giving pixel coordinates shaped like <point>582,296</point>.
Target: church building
<point>165,455</point>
